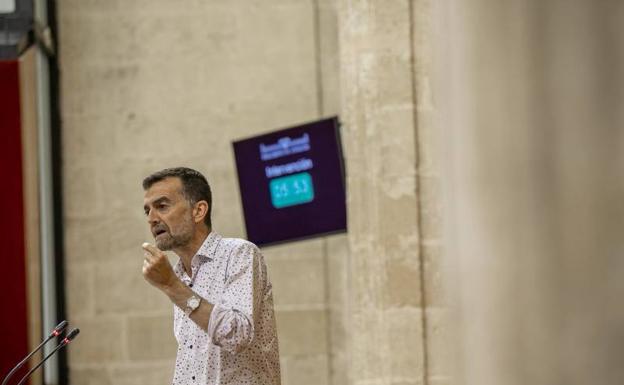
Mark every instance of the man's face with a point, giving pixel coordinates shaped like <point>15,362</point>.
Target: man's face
<point>169,214</point>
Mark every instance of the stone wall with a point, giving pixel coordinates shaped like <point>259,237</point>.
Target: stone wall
<point>148,85</point>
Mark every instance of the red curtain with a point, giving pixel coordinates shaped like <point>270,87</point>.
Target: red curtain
<point>13,301</point>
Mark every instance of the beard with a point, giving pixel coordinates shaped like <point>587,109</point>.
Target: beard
<point>170,240</point>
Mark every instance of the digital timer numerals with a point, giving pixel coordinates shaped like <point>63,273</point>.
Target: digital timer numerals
<point>291,190</point>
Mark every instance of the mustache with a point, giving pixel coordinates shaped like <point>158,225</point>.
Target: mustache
<point>159,229</point>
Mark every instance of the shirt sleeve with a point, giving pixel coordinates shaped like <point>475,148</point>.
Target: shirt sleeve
<point>231,323</point>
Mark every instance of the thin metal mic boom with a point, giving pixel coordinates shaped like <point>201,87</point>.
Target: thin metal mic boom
<point>68,338</point>
<point>55,332</point>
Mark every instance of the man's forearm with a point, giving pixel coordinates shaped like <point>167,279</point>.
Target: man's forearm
<point>179,293</point>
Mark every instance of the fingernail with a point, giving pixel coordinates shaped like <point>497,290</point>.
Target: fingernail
<point>145,244</point>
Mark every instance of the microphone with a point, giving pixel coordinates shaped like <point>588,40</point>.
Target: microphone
<point>68,338</point>
<point>55,332</point>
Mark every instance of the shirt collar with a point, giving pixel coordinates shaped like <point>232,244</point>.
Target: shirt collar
<point>208,249</point>
<point>206,252</point>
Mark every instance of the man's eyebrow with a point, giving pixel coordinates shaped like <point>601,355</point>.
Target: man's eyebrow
<point>157,201</point>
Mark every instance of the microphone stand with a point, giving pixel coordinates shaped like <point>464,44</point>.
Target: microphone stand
<point>70,336</point>
<point>57,331</point>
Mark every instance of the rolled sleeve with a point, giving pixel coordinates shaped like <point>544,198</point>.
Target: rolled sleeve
<point>231,323</point>
<point>230,329</point>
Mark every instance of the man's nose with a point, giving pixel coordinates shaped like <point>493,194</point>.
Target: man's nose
<point>152,218</point>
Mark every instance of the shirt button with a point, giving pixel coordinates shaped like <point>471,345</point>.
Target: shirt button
<point>191,284</point>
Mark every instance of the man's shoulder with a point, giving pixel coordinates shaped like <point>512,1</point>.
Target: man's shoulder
<point>238,244</point>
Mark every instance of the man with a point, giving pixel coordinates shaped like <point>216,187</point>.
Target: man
<point>223,313</point>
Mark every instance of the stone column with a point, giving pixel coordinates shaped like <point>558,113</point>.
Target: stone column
<point>385,109</point>
<point>533,113</point>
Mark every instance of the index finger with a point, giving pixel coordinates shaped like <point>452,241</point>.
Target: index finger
<point>155,251</point>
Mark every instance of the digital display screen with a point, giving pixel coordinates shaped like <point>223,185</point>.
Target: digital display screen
<point>292,182</point>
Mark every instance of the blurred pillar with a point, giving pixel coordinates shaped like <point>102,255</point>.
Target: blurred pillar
<point>384,317</point>
<point>532,97</point>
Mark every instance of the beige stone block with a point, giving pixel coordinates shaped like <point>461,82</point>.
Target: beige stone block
<point>99,342</point>
<point>132,7</point>
<point>151,338</point>
<point>307,370</point>
<point>405,339</point>
<point>91,141</point>
<point>435,281</point>
<point>402,286</point>
<point>339,364</point>
<point>423,38</point>
<point>385,217</point>
<point>288,276</point>
<point>228,221</point>
<point>338,344</point>
<point>389,344</point>
<point>329,57</point>
<point>379,24</point>
<point>431,208</point>
<point>429,144</point>
<point>121,288</point>
<point>337,268</point>
<point>82,192</point>
<point>302,332</point>
<point>390,78</point>
<point>88,139</point>
<point>290,25</point>
<point>102,90</point>
<point>398,233</point>
<point>362,218</point>
<point>439,354</point>
<point>107,238</point>
<point>84,242</point>
<point>395,133</point>
<point>127,234</point>
<point>368,349</point>
<point>388,161</point>
<point>90,31</point>
<point>122,185</point>
<point>114,6</point>
<point>227,209</point>
<point>338,259</point>
<point>183,32</point>
<point>79,289</point>
<point>139,139</point>
<point>391,24</point>
<point>143,374</point>
<point>311,248</point>
<point>440,380</point>
<point>90,376</point>
<point>338,245</point>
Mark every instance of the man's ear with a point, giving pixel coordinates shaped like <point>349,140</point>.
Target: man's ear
<point>200,211</point>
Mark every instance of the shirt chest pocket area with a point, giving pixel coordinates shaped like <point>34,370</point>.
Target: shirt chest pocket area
<point>213,289</point>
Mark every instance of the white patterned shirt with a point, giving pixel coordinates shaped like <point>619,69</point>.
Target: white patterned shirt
<point>240,345</point>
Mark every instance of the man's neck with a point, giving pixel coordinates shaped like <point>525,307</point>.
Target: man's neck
<point>187,252</point>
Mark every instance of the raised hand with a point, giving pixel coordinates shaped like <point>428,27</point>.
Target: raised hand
<point>157,269</point>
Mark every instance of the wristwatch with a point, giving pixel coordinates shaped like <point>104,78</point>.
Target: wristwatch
<point>191,304</point>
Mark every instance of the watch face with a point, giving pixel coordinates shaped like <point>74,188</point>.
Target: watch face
<point>193,302</point>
